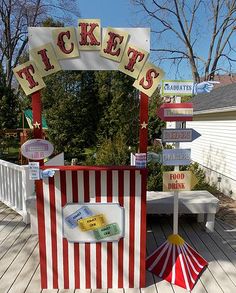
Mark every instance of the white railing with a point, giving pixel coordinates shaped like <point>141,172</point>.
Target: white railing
<point>15,187</point>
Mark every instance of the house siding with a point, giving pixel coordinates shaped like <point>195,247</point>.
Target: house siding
<point>215,150</point>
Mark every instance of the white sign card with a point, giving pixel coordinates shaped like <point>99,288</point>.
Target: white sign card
<point>176,157</point>
<point>34,171</point>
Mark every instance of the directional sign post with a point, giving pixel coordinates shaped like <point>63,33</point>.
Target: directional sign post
<point>176,157</point>
<point>179,135</point>
<point>178,181</point>
<point>176,112</point>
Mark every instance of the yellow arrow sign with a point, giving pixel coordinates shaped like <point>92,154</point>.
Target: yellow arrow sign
<point>178,180</point>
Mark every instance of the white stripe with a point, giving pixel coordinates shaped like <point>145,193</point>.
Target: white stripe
<point>166,260</point>
<point>115,268</point>
<point>183,269</point>
<point>137,229</point>
<point>155,251</point>
<point>82,271</point>
<point>48,241</point>
<point>126,227</point>
<point>187,264</point>
<point>194,258</point>
<point>189,260</point>
<point>92,246</point>
<point>104,244</point>
<point>159,256</point>
<point>173,266</point>
<point>59,230</point>
<point>69,199</point>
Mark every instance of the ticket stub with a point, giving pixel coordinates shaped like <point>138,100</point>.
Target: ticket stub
<point>92,223</point>
<point>107,231</point>
<point>81,213</point>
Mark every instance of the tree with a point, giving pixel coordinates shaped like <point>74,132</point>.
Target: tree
<point>8,105</point>
<point>16,16</point>
<point>119,107</point>
<point>197,32</point>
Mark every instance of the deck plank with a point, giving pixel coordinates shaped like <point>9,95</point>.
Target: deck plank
<point>9,276</point>
<point>215,268</point>
<point>19,260</point>
<point>12,253</point>
<point>26,274</point>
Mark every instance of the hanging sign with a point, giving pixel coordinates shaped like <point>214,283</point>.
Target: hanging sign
<point>176,157</point>
<point>177,88</point>
<point>178,181</point>
<point>36,149</point>
<point>34,171</point>
<point>179,135</point>
<point>176,112</point>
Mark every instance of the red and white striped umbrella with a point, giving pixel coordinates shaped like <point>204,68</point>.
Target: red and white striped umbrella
<point>176,262</point>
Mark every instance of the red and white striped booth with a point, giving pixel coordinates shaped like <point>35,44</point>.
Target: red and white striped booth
<point>118,264</point>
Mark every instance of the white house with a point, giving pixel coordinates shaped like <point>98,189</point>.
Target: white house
<point>215,119</point>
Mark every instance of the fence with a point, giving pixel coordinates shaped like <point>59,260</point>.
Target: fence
<point>15,187</point>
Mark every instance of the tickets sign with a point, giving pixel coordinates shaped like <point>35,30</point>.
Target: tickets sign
<point>178,180</point>
<point>177,88</point>
<point>176,112</point>
<point>36,149</point>
<point>179,135</point>
<point>88,47</point>
<point>176,157</point>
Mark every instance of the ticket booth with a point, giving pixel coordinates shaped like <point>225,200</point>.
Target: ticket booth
<point>73,258</point>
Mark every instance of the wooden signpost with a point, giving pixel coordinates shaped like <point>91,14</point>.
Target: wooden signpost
<point>179,181</point>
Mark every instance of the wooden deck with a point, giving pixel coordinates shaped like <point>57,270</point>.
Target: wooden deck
<point>19,260</point>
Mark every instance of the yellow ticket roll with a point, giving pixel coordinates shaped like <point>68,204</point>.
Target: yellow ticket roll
<point>92,223</point>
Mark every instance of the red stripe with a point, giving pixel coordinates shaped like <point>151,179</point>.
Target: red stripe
<point>53,221</point>
<point>131,229</point>
<point>143,230</point>
<point>121,242</point>
<point>109,244</point>
<point>87,245</point>
<point>98,245</point>
<point>41,230</point>
<point>65,242</point>
<point>75,197</point>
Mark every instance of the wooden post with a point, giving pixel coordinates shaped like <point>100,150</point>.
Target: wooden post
<point>143,123</point>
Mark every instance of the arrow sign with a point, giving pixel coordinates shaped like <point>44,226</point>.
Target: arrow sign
<point>179,181</point>
<point>176,157</point>
<point>179,135</point>
<point>176,112</point>
<point>177,87</point>
<point>154,157</point>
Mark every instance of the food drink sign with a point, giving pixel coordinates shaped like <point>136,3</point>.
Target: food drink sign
<point>37,149</point>
<point>178,181</point>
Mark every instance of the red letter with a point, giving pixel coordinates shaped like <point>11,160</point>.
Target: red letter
<point>84,34</point>
<point>45,59</point>
<point>149,79</point>
<point>26,71</point>
<point>61,43</point>
<point>112,44</point>
<point>133,59</point>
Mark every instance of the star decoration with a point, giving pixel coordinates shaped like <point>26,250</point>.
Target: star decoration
<point>144,125</point>
<point>36,124</point>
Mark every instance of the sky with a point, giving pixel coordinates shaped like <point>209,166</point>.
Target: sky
<point>122,13</point>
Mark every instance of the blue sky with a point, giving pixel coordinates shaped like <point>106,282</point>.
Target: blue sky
<point>122,13</point>
<point>119,13</point>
